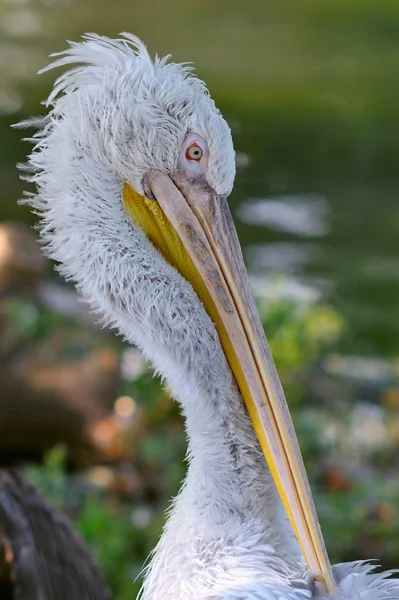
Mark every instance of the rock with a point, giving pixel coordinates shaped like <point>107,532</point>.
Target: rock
<point>44,402</point>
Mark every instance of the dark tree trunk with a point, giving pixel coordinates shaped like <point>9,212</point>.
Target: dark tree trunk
<point>41,557</point>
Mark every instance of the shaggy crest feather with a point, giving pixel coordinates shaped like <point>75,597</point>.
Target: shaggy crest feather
<point>113,116</point>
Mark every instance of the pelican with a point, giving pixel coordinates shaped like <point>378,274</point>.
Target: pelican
<point>132,165</point>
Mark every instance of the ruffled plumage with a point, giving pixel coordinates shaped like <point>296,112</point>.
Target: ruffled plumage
<point>114,115</point>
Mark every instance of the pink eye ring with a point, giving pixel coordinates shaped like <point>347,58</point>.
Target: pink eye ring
<point>194,152</point>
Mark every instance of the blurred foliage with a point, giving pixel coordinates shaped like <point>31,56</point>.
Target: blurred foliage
<point>25,317</point>
<point>355,517</point>
<point>50,478</point>
<point>298,334</point>
<point>33,323</point>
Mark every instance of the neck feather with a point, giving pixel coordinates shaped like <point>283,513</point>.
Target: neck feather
<point>86,230</point>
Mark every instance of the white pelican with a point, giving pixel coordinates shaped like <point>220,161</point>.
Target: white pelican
<point>133,164</point>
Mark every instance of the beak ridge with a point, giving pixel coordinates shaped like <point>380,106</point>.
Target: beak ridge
<point>203,222</point>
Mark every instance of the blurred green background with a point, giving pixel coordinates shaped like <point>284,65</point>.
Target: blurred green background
<point>310,91</point>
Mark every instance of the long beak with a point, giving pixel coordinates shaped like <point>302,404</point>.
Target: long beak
<point>203,223</point>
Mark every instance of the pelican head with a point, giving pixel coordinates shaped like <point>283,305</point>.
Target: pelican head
<point>139,113</point>
<point>133,165</point>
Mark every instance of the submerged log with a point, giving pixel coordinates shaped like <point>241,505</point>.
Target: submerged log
<point>41,557</point>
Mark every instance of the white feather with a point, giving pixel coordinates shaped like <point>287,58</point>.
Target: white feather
<point>113,116</point>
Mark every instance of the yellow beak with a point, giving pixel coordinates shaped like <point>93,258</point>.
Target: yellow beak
<point>193,229</point>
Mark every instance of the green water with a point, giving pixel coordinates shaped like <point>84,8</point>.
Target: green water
<point>311,91</point>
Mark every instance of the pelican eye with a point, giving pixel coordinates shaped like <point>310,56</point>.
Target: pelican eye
<point>194,152</point>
